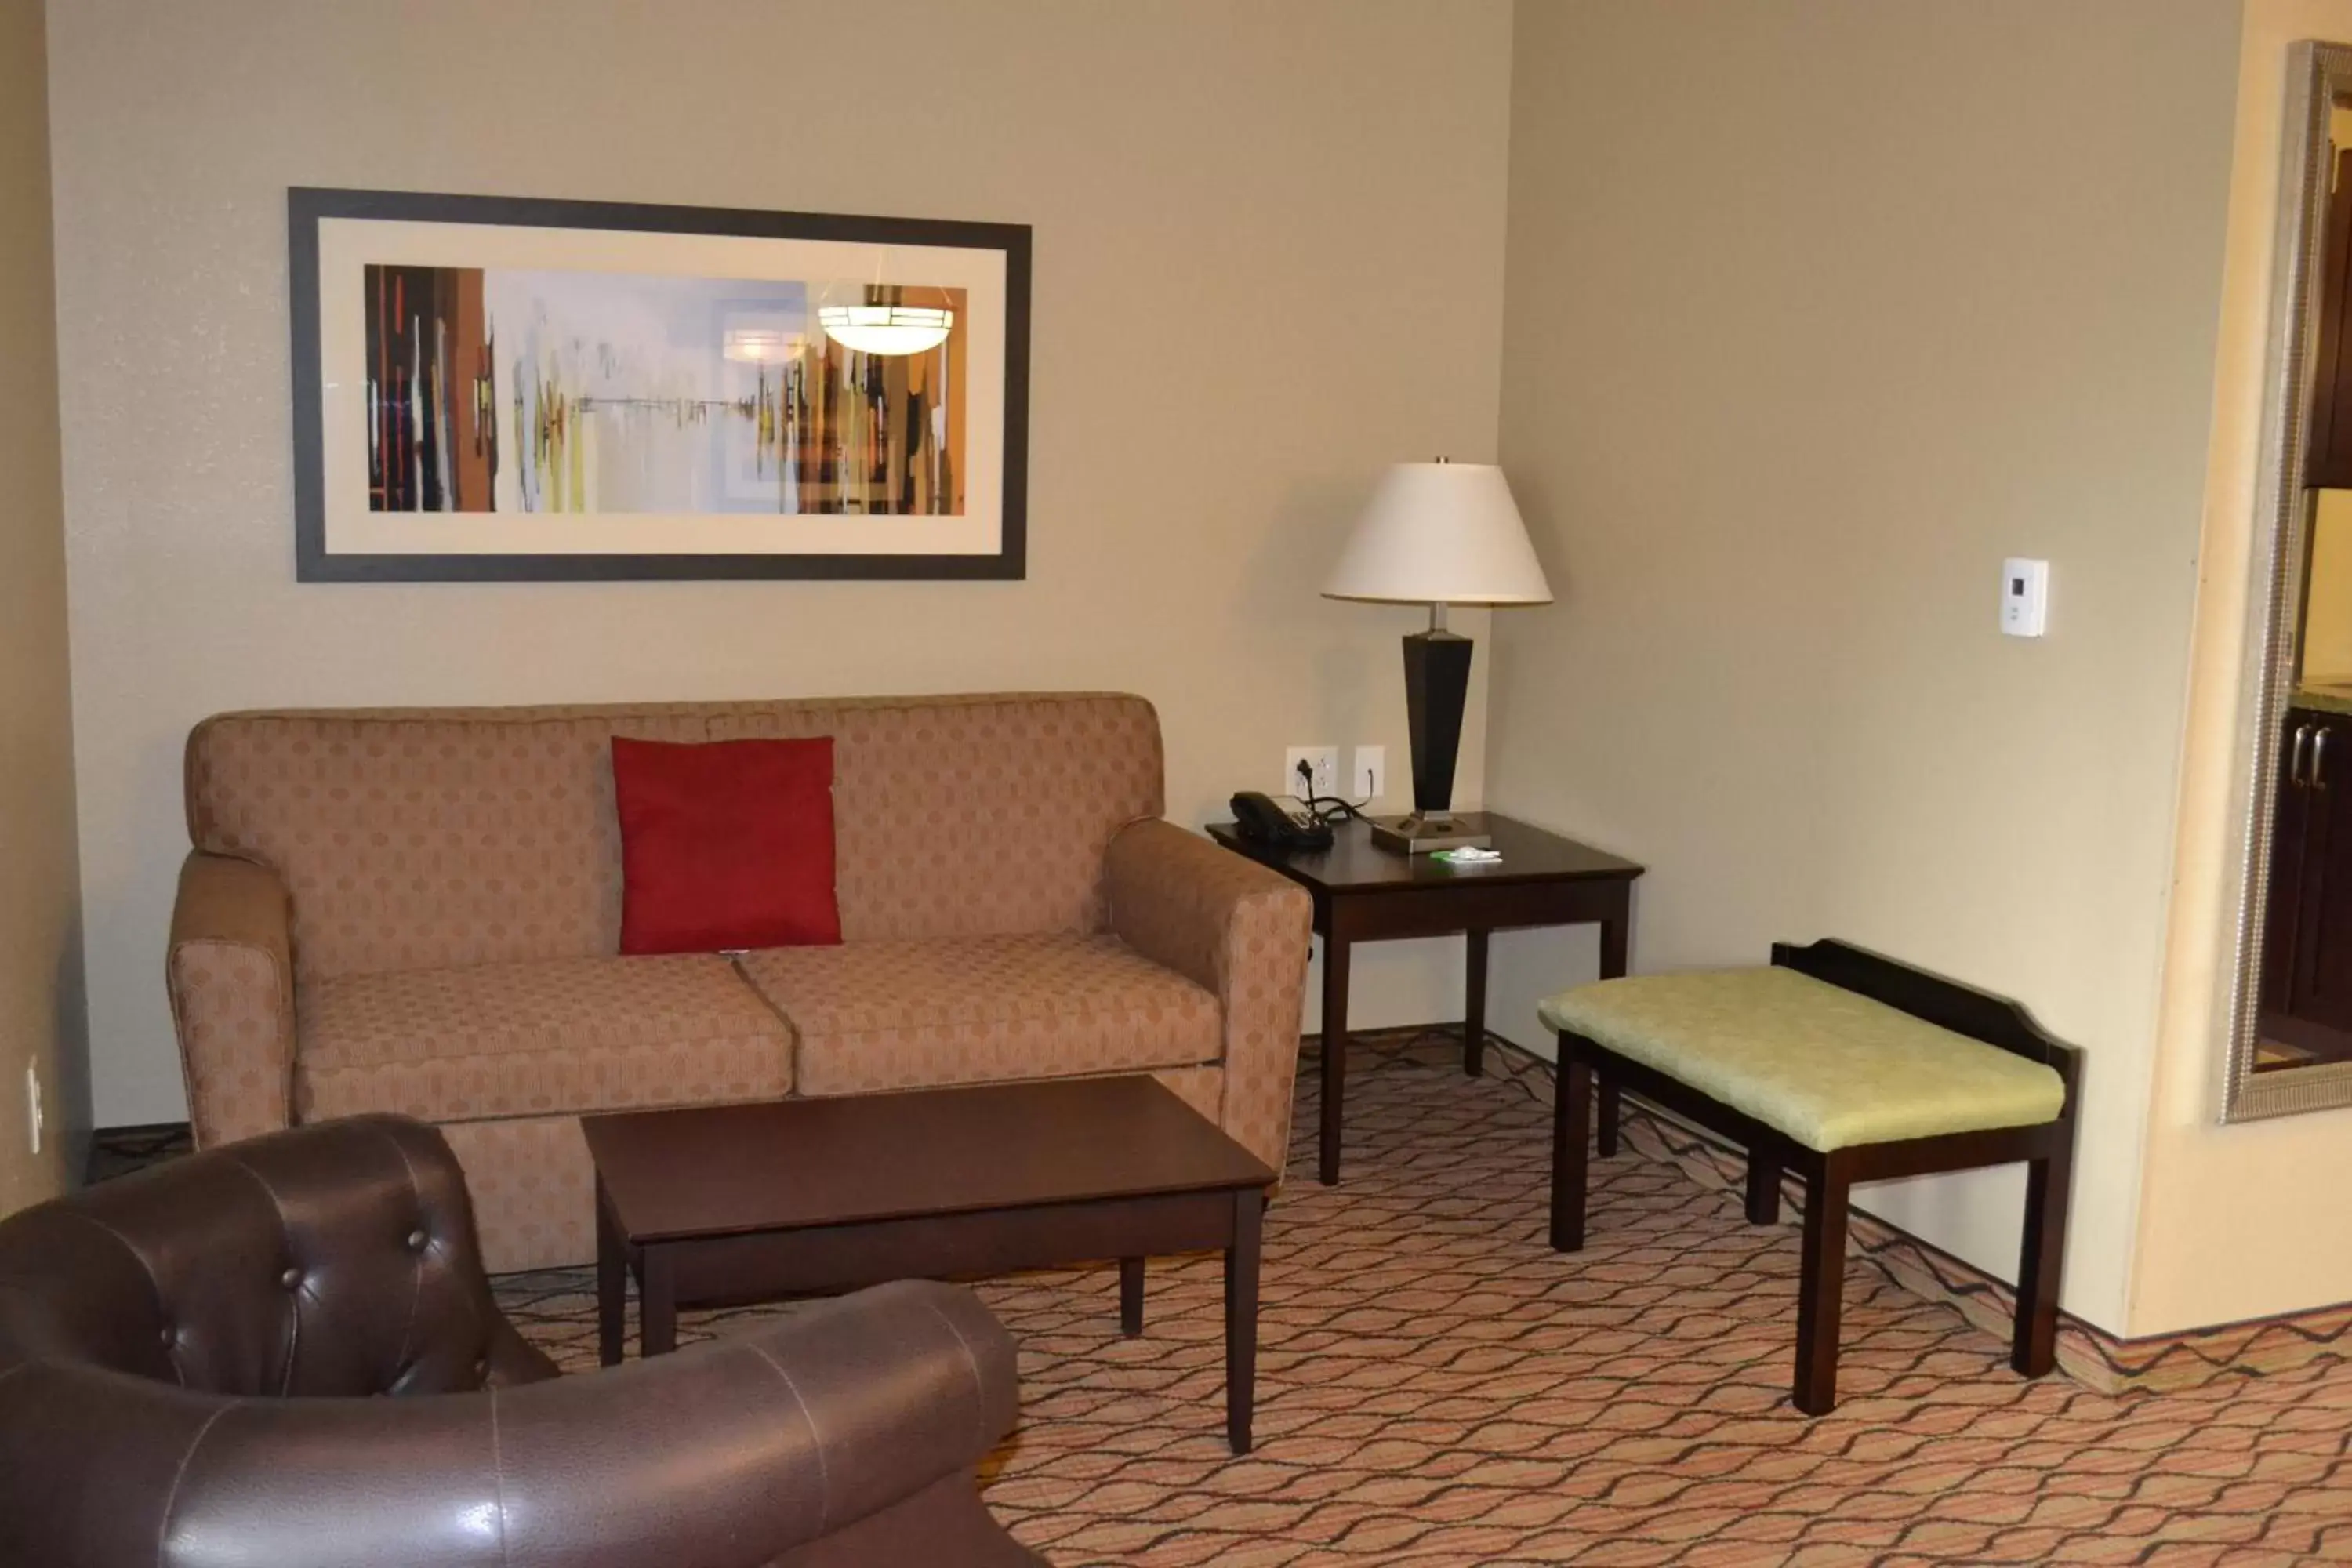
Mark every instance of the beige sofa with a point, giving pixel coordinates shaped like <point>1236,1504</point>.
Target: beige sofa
<point>419,911</point>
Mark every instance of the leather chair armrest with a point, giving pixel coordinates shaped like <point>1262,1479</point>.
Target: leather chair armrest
<point>1231,925</point>
<point>230,972</point>
<point>725,1455</point>
<point>738,1451</point>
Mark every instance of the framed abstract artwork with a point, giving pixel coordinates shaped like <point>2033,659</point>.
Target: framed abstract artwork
<point>500,388</point>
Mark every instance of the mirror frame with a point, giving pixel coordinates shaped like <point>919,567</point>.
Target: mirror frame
<point>2318,75</point>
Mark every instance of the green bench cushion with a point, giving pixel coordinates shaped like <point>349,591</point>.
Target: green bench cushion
<point>1828,1068</point>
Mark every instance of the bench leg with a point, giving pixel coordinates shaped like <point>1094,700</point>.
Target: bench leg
<point>1763,1187</point>
<point>2033,1350</point>
<point>1612,1106</point>
<point>1821,1286</point>
<point>1572,1125</point>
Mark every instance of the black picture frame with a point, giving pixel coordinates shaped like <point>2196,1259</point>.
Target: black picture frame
<point>306,206</point>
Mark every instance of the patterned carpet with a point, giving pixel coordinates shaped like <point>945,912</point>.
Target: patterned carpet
<point>1436,1387</point>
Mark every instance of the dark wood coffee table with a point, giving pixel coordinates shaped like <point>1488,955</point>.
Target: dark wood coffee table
<point>745,1203</point>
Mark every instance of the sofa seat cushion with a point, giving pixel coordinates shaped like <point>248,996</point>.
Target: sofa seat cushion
<point>876,1016</point>
<point>537,1038</point>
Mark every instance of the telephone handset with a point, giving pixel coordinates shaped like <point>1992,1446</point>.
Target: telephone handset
<point>1259,818</point>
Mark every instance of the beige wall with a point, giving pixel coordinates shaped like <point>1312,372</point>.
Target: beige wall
<point>1268,250</point>
<point>2326,651</point>
<point>2327,608</point>
<point>2327,614</point>
<point>1816,310</point>
<point>39,966</point>
<point>2245,1221</point>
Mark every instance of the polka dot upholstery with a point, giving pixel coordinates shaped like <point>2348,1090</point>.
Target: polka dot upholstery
<point>414,839</point>
<point>525,1039</point>
<point>874,1015</point>
<point>419,910</point>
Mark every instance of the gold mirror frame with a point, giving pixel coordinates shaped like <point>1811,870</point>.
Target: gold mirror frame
<point>2318,75</point>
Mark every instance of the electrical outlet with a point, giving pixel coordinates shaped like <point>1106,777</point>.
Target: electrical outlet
<point>1368,773</point>
<point>1324,763</point>
<point>33,1118</point>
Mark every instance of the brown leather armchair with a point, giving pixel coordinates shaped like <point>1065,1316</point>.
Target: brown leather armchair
<point>186,1357</point>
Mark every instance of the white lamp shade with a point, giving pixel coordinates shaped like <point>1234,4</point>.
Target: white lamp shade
<point>1441,533</point>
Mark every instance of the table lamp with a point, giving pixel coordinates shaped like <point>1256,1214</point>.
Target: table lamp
<point>1438,534</point>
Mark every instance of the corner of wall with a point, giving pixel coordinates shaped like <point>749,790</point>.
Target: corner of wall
<point>40,942</point>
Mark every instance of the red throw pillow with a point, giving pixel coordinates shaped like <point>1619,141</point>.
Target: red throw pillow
<point>726,844</point>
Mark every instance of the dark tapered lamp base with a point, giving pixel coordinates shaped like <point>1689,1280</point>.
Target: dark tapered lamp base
<point>1436,693</point>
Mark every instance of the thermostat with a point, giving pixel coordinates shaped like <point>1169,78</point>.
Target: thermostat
<point>2024,596</point>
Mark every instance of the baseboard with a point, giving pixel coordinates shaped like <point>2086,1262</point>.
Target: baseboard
<point>118,1151</point>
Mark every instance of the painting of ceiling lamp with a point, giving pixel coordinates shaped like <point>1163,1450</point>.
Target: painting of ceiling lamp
<point>763,346</point>
<point>885,324</point>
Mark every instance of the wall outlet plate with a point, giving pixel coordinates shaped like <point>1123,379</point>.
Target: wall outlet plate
<point>1323,760</point>
<point>1368,773</point>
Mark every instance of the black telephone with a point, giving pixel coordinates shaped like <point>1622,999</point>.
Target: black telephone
<point>1260,819</point>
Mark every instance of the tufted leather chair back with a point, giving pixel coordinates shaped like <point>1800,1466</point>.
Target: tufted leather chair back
<point>334,1260</point>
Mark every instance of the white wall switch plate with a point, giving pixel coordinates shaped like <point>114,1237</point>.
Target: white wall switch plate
<point>1325,763</point>
<point>33,1117</point>
<point>1368,773</point>
<point>2024,596</point>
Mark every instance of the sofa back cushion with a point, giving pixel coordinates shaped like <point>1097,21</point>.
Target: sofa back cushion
<point>418,838</point>
<point>974,816</point>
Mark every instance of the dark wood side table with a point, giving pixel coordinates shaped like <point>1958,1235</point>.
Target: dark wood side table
<point>1365,893</point>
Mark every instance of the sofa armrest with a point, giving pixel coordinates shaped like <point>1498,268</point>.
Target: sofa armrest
<point>1229,924</point>
<point>230,972</point>
<point>726,1455</point>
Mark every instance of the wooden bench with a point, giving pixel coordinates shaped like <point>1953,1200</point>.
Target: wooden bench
<point>1844,1066</point>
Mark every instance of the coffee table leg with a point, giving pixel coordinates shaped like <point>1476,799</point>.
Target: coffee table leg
<point>612,1284</point>
<point>656,1303</point>
<point>1241,1318</point>
<point>1130,1295</point>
